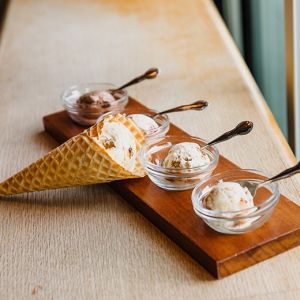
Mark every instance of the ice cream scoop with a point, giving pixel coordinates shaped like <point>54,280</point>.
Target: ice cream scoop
<point>119,143</point>
<point>228,196</point>
<point>95,99</point>
<point>185,155</point>
<point>108,96</point>
<point>145,123</point>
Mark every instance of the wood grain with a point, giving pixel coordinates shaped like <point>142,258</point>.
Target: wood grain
<point>173,214</point>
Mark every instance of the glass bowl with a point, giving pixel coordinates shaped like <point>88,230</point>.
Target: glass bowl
<point>155,150</point>
<point>237,222</point>
<point>88,116</point>
<point>162,121</point>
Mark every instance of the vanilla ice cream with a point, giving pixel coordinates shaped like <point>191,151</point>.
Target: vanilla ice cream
<point>185,155</point>
<point>119,143</point>
<point>143,122</point>
<point>228,196</point>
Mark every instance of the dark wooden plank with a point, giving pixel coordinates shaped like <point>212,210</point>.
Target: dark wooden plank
<point>173,214</point>
<point>3,10</point>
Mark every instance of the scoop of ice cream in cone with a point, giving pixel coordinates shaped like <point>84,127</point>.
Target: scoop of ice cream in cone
<point>105,152</point>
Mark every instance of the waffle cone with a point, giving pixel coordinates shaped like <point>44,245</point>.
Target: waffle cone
<point>79,161</point>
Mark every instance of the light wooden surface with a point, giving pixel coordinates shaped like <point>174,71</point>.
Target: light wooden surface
<point>87,243</point>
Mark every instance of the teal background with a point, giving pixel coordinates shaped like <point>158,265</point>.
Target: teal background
<point>257,27</point>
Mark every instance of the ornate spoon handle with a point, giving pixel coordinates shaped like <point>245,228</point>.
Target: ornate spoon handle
<point>241,129</point>
<point>284,174</point>
<point>149,74</point>
<point>198,105</point>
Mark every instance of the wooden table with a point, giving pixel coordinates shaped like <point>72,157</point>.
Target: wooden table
<point>87,243</point>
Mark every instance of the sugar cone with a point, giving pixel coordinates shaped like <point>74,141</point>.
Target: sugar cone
<point>79,161</point>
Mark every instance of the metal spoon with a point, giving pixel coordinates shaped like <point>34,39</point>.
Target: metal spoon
<point>198,105</point>
<point>149,74</point>
<point>253,187</point>
<point>241,129</point>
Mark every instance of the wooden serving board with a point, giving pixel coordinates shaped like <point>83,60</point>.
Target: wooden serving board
<point>173,214</point>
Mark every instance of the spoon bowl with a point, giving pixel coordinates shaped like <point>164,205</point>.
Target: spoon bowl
<point>254,187</point>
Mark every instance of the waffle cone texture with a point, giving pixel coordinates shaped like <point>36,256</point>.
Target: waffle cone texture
<point>78,161</point>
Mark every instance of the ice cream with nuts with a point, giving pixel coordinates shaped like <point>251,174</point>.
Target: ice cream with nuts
<point>185,155</point>
<point>119,143</point>
<point>89,106</point>
<point>145,123</point>
<point>228,196</point>
<point>105,152</point>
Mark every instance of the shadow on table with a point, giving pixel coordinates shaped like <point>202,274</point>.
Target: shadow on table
<point>45,139</point>
<point>103,201</point>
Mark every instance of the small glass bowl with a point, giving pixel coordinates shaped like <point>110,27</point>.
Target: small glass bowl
<point>237,222</point>
<point>162,121</point>
<point>89,116</point>
<point>155,150</point>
